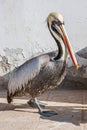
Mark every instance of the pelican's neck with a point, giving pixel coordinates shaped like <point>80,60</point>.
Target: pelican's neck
<point>62,51</point>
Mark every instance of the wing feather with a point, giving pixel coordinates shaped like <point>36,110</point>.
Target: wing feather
<point>22,75</point>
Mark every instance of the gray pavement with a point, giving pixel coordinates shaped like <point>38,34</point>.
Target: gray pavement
<point>70,104</point>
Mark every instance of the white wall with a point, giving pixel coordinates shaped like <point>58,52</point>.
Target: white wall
<point>23,25</point>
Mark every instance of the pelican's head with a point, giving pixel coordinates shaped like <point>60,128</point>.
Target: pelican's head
<point>55,24</point>
<point>55,17</point>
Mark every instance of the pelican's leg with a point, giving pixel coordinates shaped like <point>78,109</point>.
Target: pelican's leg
<point>44,113</point>
<point>32,103</point>
<point>9,97</point>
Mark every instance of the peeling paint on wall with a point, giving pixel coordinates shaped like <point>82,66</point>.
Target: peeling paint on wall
<point>24,26</point>
<point>4,65</point>
<point>11,59</point>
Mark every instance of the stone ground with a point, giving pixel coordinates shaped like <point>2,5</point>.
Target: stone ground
<point>70,104</point>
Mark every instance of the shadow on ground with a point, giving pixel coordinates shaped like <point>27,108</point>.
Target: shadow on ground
<point>75,114</point>
<point>69,104</point>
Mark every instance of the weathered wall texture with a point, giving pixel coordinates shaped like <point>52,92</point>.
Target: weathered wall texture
<point>23,29</point>
<point>10,60</point>
<point>24,33</point>
<point>74,78</point>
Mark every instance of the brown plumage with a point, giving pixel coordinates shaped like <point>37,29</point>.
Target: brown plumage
<point>46,71</point>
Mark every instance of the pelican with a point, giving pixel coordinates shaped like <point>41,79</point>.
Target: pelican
<point>46,71</point>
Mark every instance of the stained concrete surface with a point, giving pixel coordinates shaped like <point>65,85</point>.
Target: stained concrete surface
<point>70,104</point>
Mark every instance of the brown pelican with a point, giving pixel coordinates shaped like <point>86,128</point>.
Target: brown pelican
<point>46,71</point>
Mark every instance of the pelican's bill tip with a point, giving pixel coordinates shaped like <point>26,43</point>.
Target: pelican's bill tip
<point>77,67</point>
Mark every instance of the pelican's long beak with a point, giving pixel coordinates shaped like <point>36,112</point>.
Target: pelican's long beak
<point>68,45</point>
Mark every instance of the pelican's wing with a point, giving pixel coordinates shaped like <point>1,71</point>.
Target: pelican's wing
<point>21,76</point>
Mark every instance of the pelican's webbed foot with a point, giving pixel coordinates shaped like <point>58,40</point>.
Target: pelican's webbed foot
<point>44,113</point>
<point>32,103</point>
<point>48,113</point>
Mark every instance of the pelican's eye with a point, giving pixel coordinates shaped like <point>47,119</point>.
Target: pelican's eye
<point>55,27</point>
